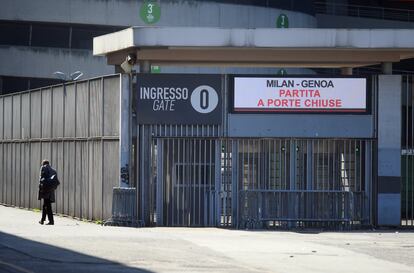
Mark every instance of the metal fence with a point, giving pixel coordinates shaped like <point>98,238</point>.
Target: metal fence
<point>75,126</point>
<point>304,182</point>
<point>260,183</point>
<point>407,153</point>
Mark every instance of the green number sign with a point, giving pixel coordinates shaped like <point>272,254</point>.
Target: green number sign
<point>150,12</point>
<point>282,21</point>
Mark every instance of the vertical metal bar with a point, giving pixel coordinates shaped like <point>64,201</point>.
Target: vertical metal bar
<point>3,181</point>
<point>217,176</point>
<point>169,178</point>
<point>248,164</point>
<point>75,152</point>
<point>269,160</point>
<point>351,175</point>
<point>224,166</point>
<point>309,173</point>
<point>411,148</point>
<point>205,183</point>
<point>212,191</point>
<point>20,154</point>
<point>176,181</point>
<point>355,165</point>
<point>252,163</point>
<point>29,143</point>
<point>88,150</point>
<point>328,154</point>
<point>293,200</point>
<point>273,185</point>
<point>180,181</point>
<point>360,165</point>
<point>368,180</point>
<point>208,189</point>
<point>234,182</point>
<point>284,150</point>
<point>185,180</point>
<point>201,181</point>
<point>334,166</point>
<point>407,156</point>
<point>102,145</point>
<point>187,198</point>
<point>194,184</point>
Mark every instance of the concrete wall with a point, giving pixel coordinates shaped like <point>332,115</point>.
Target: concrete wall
<point>41,62</point>
<point>20,61</point>
<point>389,150</point>
<point>126,13</point>
<point>77,129</point>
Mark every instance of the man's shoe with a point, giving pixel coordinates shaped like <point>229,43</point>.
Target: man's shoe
<point>50,224</point>
<point>41,222</point>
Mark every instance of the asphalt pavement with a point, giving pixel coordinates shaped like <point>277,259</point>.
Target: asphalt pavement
<point>75,246</point>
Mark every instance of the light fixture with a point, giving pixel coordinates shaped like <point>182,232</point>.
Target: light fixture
<point>72,77</point>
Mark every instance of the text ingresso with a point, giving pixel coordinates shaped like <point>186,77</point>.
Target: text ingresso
<point>163,97</point>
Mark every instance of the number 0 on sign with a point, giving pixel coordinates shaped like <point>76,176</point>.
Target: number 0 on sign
<point>204,99</point>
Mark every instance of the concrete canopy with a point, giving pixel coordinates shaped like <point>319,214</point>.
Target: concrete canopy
<point>301,47</point>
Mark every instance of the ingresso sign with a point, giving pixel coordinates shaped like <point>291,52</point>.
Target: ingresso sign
<point>179,99</point>
<point>299,94</point>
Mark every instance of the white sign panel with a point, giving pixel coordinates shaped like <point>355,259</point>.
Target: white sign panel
<point>255,94</point>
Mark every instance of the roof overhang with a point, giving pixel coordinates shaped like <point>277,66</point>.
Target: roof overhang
<point>301,47</point>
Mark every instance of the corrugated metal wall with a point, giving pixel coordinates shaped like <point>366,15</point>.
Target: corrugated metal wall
<point>76,127</point>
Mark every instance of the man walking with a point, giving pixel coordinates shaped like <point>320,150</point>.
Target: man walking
<point>46,192</point>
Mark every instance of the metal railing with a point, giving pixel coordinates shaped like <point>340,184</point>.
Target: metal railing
<point>365,11</point>
<point>301,208</point>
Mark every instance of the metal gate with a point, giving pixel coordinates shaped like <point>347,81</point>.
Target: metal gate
<point>186,183</point>
<point>304,182</point>
<point>407,153</point>
<point>261,183</point>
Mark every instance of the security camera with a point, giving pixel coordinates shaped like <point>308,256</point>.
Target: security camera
<point>129,63</point>
<point>131,59</point>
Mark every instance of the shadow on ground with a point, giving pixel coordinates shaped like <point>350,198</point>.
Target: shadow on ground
<point>22,255</point>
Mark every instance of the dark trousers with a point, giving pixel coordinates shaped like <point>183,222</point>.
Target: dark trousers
<point>47,210</point>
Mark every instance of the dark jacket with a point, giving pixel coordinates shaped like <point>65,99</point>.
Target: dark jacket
<point>45,172</point>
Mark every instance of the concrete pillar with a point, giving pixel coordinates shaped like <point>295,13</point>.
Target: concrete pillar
<point>346,71</point>
<point>389,150</point>
<point>124,131</point>
<point>386,68</point>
